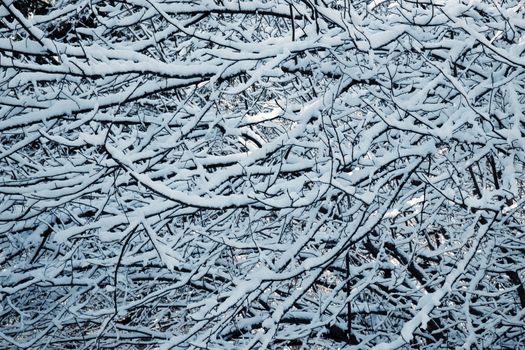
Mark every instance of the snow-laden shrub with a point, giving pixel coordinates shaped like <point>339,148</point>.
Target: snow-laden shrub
<point>262,174</point>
